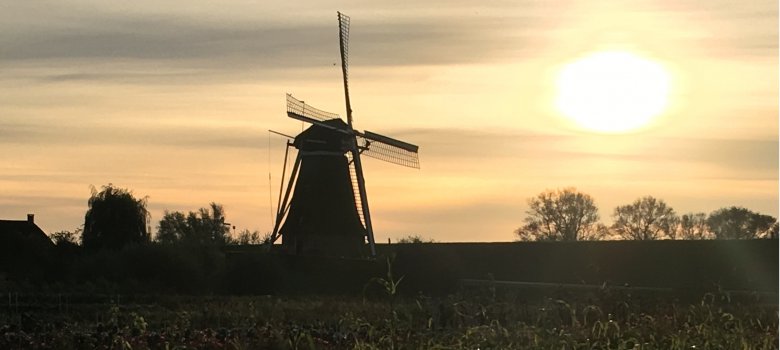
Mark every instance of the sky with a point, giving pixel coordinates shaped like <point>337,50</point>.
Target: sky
<point>173,100</point>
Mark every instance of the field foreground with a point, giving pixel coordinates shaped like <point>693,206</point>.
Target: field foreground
<point>486,318</point>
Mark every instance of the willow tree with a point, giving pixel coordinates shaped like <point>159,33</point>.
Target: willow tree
<point>115,218</point>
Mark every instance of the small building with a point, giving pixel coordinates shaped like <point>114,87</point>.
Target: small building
<point>24,247</point>
<point>23,232</point>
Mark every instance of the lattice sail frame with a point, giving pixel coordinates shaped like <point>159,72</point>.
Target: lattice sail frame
<point>300,108</point>
<point>344,36</point>
<point>372,146</point>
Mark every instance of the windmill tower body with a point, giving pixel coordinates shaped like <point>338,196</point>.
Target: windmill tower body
<point>328,213</point>
<point>323,217</point>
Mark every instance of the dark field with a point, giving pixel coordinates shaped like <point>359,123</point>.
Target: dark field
<point>489,317</point>
<point>600,295</point>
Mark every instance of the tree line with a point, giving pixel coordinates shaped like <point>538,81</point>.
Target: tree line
<point>116,251</point>
<point>569,215</point>
<point>116,218</point>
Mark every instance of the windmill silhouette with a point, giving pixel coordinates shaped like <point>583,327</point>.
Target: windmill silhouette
<point>328,213</point>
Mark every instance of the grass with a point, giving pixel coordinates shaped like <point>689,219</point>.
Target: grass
<point>487,318</point>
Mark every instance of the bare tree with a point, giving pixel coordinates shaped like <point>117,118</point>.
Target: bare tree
<point>741,223</point>
<point>647,218</point>
<point>693,226</point>
<point>561,215</point>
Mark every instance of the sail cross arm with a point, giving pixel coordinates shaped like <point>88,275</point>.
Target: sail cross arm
<point>388,149</point>
<point>317,122</point>
<point>390,141</point>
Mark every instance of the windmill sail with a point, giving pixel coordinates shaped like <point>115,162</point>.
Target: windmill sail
<point>389,149</point>
<point>299,110</point>
<point>344,49</point>
<point>356,189</point>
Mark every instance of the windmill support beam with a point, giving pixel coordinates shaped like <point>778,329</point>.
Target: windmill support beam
<point>284,171</point>
<point>283,208</point>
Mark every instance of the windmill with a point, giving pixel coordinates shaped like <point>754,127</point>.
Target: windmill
<point>328,213</point>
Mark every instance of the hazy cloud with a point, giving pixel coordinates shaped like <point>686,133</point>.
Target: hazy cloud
<point>82,39</point>
<point>744,155</point>
<point>732,28</point>
<point>241,44</point>
<point>483,220</point>
<point>17,132</point>
<point>468,144</point>
<point>441,144</point>
<point>159,135</point>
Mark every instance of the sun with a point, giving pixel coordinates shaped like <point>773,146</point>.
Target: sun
<point>612,91</point>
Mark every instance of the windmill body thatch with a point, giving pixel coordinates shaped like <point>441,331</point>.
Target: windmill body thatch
<point>323,218</point>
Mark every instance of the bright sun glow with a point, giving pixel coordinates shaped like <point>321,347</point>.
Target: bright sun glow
<point>612,91</point>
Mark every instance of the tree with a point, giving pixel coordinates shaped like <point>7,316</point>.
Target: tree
<point>205,227</point>
<point>772,234</point>
<point>66,238</point>
<point>561,215</point>
<point>414,239</point>
<point>172,228</point>
<point>647,218</point>
<point>114,219</point>
<point>694,226</point>
<point>741,223</point>
<point>247,237</point>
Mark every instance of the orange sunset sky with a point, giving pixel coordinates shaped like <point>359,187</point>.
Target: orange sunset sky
<point>173,100</point>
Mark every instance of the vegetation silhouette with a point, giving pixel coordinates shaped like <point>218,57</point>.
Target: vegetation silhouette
<point>694,226</point>
<point>194,253</point>
<point>561,215</point>
<point>647,218</point>
<point>66,238</point>
<point>246,237</point>
<point>115,219</point>
<point>207,226</point>
<point>414,239</point>
<point>741,223</point>
<point>568,215</point>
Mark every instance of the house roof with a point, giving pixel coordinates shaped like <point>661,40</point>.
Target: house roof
<point>21,231</point>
